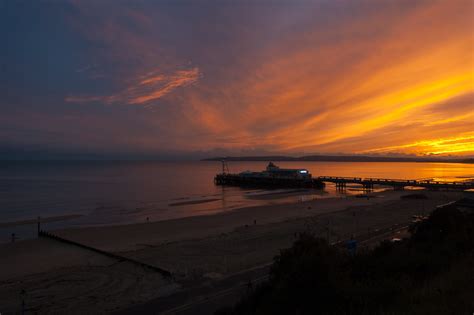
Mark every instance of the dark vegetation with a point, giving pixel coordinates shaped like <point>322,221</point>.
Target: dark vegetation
<point>342,158</point>
<point>414,196</point>
<point>430,273</point>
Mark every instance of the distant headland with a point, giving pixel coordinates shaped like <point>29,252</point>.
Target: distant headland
<point>342,158</point>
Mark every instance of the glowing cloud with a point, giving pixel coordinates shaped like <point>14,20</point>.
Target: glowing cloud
<point>368,87</point>
<point>158,86</point>
<point>145,89</point>
<point>453,145</point>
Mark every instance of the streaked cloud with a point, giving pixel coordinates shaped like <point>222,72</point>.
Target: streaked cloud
<point>359,91</point>
<point>145,89</point>
<point>452,145</point>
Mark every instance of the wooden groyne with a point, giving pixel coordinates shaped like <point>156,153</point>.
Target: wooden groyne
<point>397,184</point>
<point>269,182</point>
<point>165,273</point>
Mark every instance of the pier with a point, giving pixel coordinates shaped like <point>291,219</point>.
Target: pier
<point>268,182</point>
<point>340,182</point>
<point>397,184</point>
<point>274,176</point>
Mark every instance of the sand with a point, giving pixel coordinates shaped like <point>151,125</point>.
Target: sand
<point>248,245</point>
<point>137,236</point>
<point>63,278</point>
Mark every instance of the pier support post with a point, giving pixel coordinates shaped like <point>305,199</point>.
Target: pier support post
<point>340,186</point>
<point>368,187</point>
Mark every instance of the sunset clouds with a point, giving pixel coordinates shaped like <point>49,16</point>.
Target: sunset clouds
<point>145,89</point>
<point>368,77</point>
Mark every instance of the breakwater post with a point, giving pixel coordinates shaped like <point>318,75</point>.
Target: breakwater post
<point>165,273</point>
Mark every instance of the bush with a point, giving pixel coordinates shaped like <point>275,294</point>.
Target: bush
<point>418,275</point>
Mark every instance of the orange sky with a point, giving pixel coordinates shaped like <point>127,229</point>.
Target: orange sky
<point>408,89</point>
<point>364,77</point>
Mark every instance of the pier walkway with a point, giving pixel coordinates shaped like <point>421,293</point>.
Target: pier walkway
<point>397,184</point>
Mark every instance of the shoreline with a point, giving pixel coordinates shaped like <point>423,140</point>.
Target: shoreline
<point>192,202</point>
<point>252,201</point>
<point>42,220</point>
<point>127,236</point>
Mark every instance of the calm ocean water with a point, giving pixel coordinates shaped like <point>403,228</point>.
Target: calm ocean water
<point>121,192</point>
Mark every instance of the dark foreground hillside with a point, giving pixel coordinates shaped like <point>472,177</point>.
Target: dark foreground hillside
<point>430,273</point>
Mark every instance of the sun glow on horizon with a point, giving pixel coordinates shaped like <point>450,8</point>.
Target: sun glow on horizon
<point>463,144</point>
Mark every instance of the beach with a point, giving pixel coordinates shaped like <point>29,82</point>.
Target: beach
<point>59,277</point>
<point>175,157</point>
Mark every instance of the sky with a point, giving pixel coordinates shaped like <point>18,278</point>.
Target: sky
<point>129,79</point>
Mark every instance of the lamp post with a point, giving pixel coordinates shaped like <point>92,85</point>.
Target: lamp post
<point>39,225</point>
<point>22,297</point>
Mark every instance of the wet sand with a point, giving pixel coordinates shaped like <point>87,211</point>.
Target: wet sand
<point>61,278</point>
<point>193,202</point>
<point>137,236</point>
<point>43,220</point>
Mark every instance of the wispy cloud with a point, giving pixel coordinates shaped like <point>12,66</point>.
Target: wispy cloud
<point>310,76</point>
<point>449,145</point>
<point>354,87</point>
<point>159,86</point>
<point>145,89</point>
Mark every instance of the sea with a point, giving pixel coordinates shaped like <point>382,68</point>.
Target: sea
<point>68,194</point>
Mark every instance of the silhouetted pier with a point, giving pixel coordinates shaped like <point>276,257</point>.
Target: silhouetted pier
<point>397,184</point>
<point>341,182</point>
<point>269,182</point>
